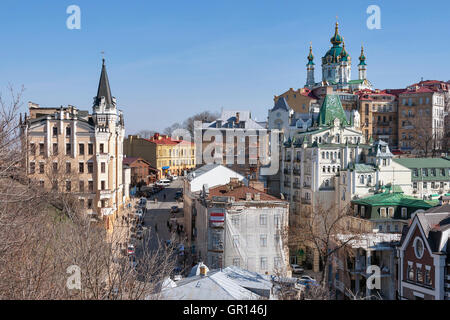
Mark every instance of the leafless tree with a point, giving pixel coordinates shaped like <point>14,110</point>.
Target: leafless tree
<point>319,230</point>
<point>45,231</point>
<point>188,124</point>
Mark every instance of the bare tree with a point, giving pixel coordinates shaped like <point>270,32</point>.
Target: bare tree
<point>188,124</point>
<point>43,232</point>
<point>319,230</point>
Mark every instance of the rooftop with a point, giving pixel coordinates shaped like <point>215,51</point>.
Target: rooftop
<point>239,191</point>
<point>417,163</point>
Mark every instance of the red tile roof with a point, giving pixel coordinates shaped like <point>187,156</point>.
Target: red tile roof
<point>166,140</point>
<point>239,193</point>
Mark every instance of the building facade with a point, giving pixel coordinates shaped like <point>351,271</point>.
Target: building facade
<point>424,263</point>
<point>169,156</point>
<point>70,150</point>
<point>242,226</point>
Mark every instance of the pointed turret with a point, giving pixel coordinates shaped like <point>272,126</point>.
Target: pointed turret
<point>104,89</point>
<point>310,82</point>
<point>362,67</point>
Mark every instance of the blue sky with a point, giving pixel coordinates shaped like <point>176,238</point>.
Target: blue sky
<point>169,60</point>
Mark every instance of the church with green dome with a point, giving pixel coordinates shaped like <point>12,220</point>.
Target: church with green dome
<point>337,66</point>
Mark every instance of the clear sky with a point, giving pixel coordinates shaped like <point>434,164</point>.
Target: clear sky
<point>168,60</point>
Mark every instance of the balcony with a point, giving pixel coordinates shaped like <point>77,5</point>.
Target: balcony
<point>287,184</point>
<point>297,160</point>
<point>306,185</point>
<point>297,185</point>
<point>296,172</point>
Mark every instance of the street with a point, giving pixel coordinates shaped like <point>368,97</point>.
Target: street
<point>156,217</point>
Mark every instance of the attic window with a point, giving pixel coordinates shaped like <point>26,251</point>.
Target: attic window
<point>418,248</point>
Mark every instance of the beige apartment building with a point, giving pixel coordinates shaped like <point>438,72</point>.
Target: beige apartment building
<point>72,151</point>
<point>420,120</point>
<point>169,156</point>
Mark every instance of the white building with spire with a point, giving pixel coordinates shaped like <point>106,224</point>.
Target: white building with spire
<point>72,151</point>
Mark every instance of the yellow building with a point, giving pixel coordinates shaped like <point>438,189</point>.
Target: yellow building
<point>169,156</point>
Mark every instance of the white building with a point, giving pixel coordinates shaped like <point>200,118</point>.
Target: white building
<point>241,226</point>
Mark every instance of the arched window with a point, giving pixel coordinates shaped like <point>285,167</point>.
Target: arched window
<point>361,179</point>
<point>329,169</point>
<point>323,169</point>
<point>328,155</point>
<point>334,169</point>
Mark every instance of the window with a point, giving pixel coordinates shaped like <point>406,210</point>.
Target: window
<point>383,212</point>
<point>263,220</point>
<point>68,186</point>
<point>81,186</point>
<point>418,247</point>
<point>235,221</point>
<point>41,184</point>
<point>391,212</point>
<point>419,275</point>
<point>90,167</point>
<point>32,148</point>
<point>32,167</point>
<point>90,148</point>
<point>103,184</point>
<point>236,262</point>
<point>425,185</point>
<point>82,203</point>
<point>81,167</point>
<point>263,240</point>
<point>277,262</point>
<point>68,167</point>
<point>89,203</point>
<point>363,213</point>
<point>41,149</point>
<point>236,241</point>
<point>68,149</point>
<point>102,148</point>
<point>55,131</point>
<point>103,167</point>
<point>68,131</point>
<point>425,172</point>
<point>410,272</point>
<point>55,148</point>
<point>276,239</point>
<point>41,167</point>
<point>277,221</point>
<point>81,148</point>
<point>91,186</point>
<point>103,203</point>
<point>263,263</point>
<point>427,276</point>
<point>55,167</point>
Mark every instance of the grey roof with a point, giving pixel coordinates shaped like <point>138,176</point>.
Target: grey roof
<point>281,104</point>
<point>434,222</point>
<point>214,286</point>
<point>202,170</point>
<point>252,281</point>
<point>103,87</point>
<point>228,120</point>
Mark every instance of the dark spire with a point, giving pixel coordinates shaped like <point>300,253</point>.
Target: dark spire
<point>103,87</point>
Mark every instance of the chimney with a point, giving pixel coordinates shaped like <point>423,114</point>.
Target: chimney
<point>257,196</point>
<point>203,271</point>
<point>248,196</point>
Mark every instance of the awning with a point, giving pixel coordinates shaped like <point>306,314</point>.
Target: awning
<point>165,168</point>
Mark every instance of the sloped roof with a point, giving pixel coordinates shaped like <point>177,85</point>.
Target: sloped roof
<point>423,162</point>
<point>395,199</point>
<point>103,87</point>
<point>331,109</point>
<point>214,286</point>
<point>281,104</point>
<point>239,193</point>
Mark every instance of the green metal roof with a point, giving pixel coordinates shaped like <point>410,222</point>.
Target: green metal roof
<point>331,109</point>
<point>419,163</point>
<point>427,164</point>
<point>356,81</point>
<point>395,199</point>
<point>363,168</point>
